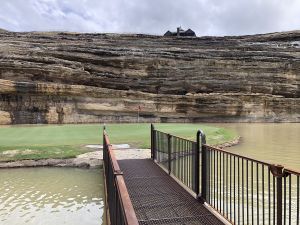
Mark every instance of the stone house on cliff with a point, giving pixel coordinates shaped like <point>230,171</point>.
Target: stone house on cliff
<point>181,33</point>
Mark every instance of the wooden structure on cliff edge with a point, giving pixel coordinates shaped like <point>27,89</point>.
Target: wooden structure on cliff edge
<point>181,33</point>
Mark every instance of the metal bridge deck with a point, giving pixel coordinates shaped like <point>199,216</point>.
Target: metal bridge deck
<point>158,199</point>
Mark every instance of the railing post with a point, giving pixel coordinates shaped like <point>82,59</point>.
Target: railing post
<point>201,141</point>
<point>197,165</point>
<point>152,142</point>
<point>169,153</point>
<point>278,172</point>
<point>103,145</point>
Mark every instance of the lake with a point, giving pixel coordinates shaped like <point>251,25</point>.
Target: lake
<point>278,143</point>
<point>47,196</point>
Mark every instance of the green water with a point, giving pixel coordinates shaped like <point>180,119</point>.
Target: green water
<point>48,196</point>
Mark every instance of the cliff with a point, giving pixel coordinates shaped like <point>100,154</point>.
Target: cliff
<point>81,78</point>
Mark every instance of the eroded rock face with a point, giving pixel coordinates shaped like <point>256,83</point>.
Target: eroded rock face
<point>88,78</point>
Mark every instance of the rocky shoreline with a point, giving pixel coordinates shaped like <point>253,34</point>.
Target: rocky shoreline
<point>228,144</point>
<point>87,160</point>
<point>92,159</point>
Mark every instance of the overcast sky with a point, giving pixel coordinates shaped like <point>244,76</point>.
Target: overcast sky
<point>205,17</point>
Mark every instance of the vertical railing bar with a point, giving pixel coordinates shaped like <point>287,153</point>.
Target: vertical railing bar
<point>158,147</point>
<point>227,185</point>
<point>243,203</point>
<point>186,162</point>
<point>211,176</point>
<point>274,200</point>
<point>169,153</point>
<point>252,203</point>
<point>211,169</point>
<point>234,203</point>
<point>218,178</point>
<point>180,160</point>
<point>197,165</point>
<point>298,197</point>
<point>269,193</point>
<point>218,165</point>
<point>290,199</point>
<point>247,185</point>
<point>284,200</point>
<point>204,165</point>
<point>279,174</point>
<point>191,165</point>
<point>189,168</point>
<point>175,156</point>
<point>223,183</point>
<point>263,193</point>
<point>208,155</point>
<point>219,182</point>
<point>214,189</point>
<point>257,192</point>
<point>152,141</point>
<point>230,171</point>
<point>179,157</point>
<point>238,187</point>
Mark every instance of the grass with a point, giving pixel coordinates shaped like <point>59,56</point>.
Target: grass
<point>67,141</point>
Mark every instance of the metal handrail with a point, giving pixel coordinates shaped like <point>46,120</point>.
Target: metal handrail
<point>237,155</point>
<point>120,199</point>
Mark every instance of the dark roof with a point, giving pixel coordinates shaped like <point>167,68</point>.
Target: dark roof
<point>182,33</point>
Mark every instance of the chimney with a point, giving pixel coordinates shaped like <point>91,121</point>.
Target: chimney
<point>178,31</point>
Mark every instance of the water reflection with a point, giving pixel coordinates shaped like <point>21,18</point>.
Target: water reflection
<point>51,196</point>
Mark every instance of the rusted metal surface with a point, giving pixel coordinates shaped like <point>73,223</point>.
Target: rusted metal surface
<point>112,156</point>
<point>120,208</point>
<point>158,199</point>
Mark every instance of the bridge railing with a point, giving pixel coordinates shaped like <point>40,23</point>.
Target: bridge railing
<point>120,209</point>
<point>243,190</point>
<point>178,156</point>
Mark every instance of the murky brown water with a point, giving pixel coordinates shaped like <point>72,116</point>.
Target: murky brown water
<point>272,142</point>
<point>47,196</point>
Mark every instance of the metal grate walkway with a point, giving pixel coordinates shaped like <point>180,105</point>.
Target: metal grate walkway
<point>158,199</point>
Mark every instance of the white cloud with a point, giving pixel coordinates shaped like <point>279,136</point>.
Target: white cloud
<point>206,17</point>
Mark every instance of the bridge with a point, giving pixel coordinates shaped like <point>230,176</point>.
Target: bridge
<point>189,182</point>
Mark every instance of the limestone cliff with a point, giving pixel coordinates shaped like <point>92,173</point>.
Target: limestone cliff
<point>81,78</point>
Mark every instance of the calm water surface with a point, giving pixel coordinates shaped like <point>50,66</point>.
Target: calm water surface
<point>273,142</point>
<point>47,196</point>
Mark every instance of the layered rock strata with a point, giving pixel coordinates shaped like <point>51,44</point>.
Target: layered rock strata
<point>88,78</point>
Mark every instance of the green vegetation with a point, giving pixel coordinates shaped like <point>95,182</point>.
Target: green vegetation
<point>66,141</point>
